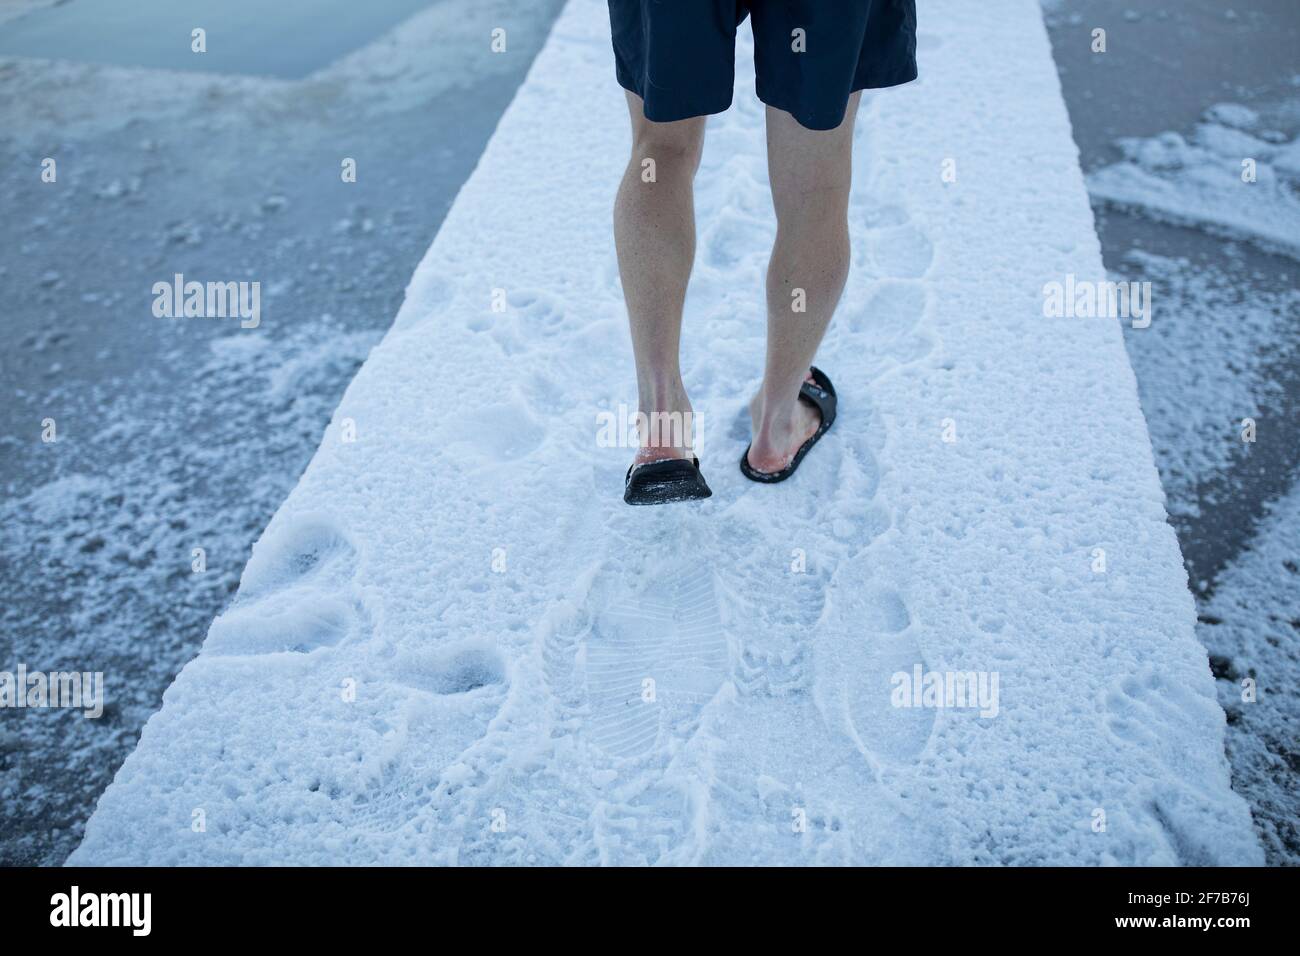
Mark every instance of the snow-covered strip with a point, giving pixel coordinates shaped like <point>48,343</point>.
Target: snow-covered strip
<point>455,644</point>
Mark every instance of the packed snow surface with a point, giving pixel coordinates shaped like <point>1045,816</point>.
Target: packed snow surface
<point>455,644</point>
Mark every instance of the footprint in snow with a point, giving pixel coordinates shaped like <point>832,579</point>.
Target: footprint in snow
<point>859,655</point>
<point>646,663</point>
<point>902,251</point>
<point>445,701</point>
<point>295,595</point>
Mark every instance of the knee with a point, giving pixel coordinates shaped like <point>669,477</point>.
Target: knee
<point>669,149</point>
<point>815,207</point>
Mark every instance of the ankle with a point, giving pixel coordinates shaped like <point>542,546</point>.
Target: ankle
<point>665,419</point>
<point>663,396</point>
<point>774,409</point>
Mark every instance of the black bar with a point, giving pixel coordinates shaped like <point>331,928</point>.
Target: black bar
<point>334,905</point>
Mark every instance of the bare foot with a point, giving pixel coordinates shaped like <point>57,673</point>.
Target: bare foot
<point>780,434</point>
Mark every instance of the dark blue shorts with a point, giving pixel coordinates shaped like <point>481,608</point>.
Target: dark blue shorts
<point>679,56</point>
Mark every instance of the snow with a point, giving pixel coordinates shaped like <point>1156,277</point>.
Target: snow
<point>1199,181</point>
<point>104,556</point>
<point>1202,374</point>
<point>187,439</point>
<point>1250,627</point>
<point>455,644</point>
<point>1222,349</point>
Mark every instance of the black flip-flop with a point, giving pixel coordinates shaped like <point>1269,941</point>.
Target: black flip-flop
<point>661,482</point>
<point>821,396</point>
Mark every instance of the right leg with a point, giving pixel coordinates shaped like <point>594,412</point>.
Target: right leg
<point>810,171</point>
<point>654,233</point>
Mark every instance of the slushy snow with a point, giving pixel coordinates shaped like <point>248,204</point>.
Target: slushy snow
<point>1250,626</point>
<point>1208,361</point>
<point>1230,177</point>
<point>455,644</point>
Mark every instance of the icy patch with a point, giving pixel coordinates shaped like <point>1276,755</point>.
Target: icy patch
<point>1202,180</point>
<point>710,684</point>
<point>1252,628</point>
<point>1202,366</point>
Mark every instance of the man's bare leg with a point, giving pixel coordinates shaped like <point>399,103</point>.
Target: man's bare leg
<point>654,233</point>
<point>810,172</point>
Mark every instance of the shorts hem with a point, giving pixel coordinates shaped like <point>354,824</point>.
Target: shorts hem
<point>822,123</point>
<point>657,114</point>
